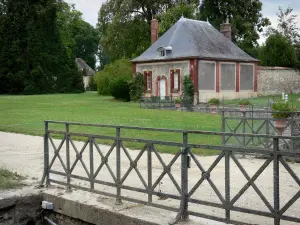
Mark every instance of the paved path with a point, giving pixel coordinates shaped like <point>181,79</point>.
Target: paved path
<point>24,154</point>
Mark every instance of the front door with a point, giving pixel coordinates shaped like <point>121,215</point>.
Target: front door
<point>162,88</point>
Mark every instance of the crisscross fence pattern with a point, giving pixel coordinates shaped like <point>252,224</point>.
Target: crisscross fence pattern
<point>178,172</point>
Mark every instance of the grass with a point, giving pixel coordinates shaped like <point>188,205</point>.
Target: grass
<point>263,101</point>
<point>25,114</point>
<point>9,180</point>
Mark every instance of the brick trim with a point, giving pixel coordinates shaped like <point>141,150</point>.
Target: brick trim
<point>218,77</point>
<point>237,79</point>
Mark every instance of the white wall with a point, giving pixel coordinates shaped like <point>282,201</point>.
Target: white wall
<point>275,80</point>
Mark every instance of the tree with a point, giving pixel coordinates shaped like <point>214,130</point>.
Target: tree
<point>80,38</point>
<point>245,17</point>
<point>32,57</point>
<point>278,51</point>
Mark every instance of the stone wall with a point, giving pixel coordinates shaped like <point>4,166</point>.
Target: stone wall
<point>275,80</point>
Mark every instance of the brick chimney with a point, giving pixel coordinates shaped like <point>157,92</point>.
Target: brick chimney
<point>225,29</point>
<point>154,30</point>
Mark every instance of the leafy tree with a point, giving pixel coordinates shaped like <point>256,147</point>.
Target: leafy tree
<point>245,17</point>
<point>172,15</point>
<point>278,51</point>
<point>187,90</point>
<point>80,38</point>
<point>32,56</point>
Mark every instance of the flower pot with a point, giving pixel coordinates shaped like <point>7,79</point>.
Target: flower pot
<point>213,108</point>
<point>280,125</point>
<point>242,108</point>
<point>177,105</point>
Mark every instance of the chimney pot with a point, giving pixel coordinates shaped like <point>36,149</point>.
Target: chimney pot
<point>154,30</point>
<point>225,29</point>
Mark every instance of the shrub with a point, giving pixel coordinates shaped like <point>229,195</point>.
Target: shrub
<point>214,101</point>
<point>177,101</point>
<point>137,87</point>
<point>187,89</point>
<point>281,109</point>
<point>244,102</point>
<point>120,88</point>
<point>92,86</point>
<point>103,83</point>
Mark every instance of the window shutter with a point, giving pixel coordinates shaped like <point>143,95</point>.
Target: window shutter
<point>150,73</point>
<point>145,80</point>
<point>178,71</point>
<point>172,79</point>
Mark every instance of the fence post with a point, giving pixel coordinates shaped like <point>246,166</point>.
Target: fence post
<point>227,185</point>
<point>223,127</point>
<point>244,131</point>
<point>92,183</point>
<point>149,158</point>
<point>292,124</point>
<point>268,131</point>
<point>184,177</point>
<point>276,156</point>
<point>68,157</point>
<point>118,166</point>
<point>46,158</point>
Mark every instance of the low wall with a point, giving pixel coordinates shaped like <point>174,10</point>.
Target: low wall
<point>275,80</point>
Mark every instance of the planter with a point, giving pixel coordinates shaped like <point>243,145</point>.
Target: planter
<point>280,125</point>
<point>242,108</point>
<point>177,105</point>
<point>213,108</point>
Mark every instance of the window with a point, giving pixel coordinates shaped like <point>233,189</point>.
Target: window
<point>176,80</point>
<point>148,82</point>
<point>228,76</point>
<point>162,53</point>
<point>207,75</point>
<point>246,76</point>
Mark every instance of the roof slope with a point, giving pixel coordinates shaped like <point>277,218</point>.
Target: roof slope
<point>81,64</point>
<point>193,38</point>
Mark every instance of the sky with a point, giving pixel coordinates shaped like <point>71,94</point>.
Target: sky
<point>90,9</point>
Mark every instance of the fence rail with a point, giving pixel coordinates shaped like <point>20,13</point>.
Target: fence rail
<point>183,150</point>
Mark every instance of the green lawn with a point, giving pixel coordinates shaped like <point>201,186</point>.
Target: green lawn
<point>25,114</point>
<point>9,180</point>
<point>262,101</point>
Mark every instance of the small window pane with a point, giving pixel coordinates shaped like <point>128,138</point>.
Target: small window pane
<point>176,80</point>
<point>228,77</point>
<point>207,75</point>
<point>246,77</point>
<point>148,82</point>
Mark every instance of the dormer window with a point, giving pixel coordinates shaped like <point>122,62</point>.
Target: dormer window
<point>162,53</point>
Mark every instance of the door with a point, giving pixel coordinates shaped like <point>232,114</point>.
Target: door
<point>162,88</point>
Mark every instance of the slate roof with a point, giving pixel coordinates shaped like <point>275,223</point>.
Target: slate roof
<point>194,39</point>
<point>81,64</point>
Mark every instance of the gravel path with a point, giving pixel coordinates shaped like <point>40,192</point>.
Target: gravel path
<point>24,154</point>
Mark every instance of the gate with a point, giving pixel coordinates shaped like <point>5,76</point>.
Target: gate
<point>63,156</point>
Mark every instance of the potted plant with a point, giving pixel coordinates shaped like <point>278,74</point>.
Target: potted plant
<point>177,102</point>
<point>243,103</point>
<point>280,111</point>
<point>213,103</point>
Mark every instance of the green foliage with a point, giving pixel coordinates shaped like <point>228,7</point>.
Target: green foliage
<point>172,15</point>
<point>92,86</point>
<point>32,57</point>
<point>281,109</point>
<point>177,100</point>
<point>278,51</point>
<point>187,89</point>
<point>137,87</point>
<point>214,101</point>
<point>245,17</point>
<point>119,68</point>
<point>120,88</point>
<point>244,102</point>
<point>9,180</point>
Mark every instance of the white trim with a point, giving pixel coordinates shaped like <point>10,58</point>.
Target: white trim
<point>251,64</point>
<point>220,74</point>
<point>207,61</point>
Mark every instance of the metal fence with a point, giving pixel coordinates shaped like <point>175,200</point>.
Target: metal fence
<point>183,151</point>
